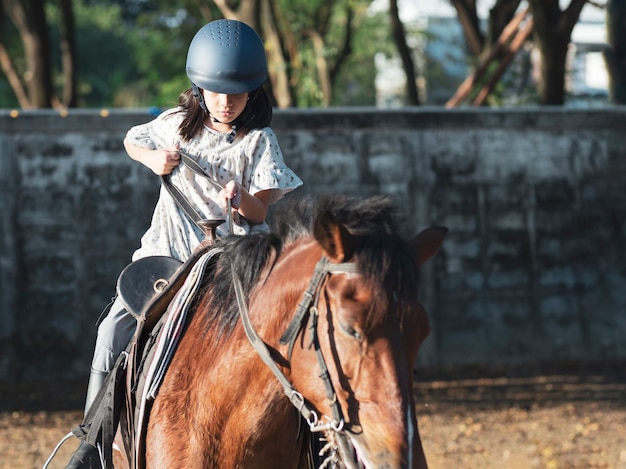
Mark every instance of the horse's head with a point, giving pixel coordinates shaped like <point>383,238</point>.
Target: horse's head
<point>328,302</point>
<point>363,323</point>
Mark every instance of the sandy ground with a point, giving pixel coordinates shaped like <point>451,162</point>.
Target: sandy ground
<point>570,416</point>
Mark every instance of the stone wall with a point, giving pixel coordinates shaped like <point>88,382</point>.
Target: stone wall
<point>533,267</point>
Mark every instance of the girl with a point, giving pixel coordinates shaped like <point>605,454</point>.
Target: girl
<point>222,120</point>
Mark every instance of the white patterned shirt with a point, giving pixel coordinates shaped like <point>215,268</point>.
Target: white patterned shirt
<point>254,160</point>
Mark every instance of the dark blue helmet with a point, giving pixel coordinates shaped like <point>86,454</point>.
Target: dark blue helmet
<point>227,56</point>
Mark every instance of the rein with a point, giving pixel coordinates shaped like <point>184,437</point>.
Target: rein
<point>308,304</point>
<point>182,201</point>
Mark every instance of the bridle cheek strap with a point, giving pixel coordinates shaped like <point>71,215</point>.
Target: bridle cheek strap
<point>308,304</point>
<point>310,297</point>
<point>319,274</point>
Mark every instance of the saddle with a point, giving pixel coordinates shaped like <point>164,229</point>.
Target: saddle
<point>145,280</point>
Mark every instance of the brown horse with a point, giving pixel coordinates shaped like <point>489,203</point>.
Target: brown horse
<point>348,355</point>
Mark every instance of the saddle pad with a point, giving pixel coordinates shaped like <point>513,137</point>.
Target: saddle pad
<point>163,348</point>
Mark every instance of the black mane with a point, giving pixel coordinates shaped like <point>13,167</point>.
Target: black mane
<point>382,258</point>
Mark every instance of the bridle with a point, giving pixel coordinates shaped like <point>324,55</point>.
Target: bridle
<point>341,445</point>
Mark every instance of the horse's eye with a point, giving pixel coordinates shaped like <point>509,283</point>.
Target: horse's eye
<point>352,332</point>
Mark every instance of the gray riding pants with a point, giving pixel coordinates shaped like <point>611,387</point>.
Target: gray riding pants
<point>114,334</point>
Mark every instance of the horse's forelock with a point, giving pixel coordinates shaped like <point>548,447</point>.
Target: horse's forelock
<point>382,254</point>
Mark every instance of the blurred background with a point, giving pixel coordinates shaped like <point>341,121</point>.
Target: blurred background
<point>500,119</point>
<point>131,53</point>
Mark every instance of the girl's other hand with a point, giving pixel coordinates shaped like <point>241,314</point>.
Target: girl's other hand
<point>232,190</point>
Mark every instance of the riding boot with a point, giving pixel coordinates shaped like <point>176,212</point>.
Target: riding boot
<point>86,456</point>
<point>96,380</point>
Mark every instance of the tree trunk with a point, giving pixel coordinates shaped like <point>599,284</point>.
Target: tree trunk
<point>499,17</point>
<point>9,69</point>
<point>30,20</point>
<point>552,33</point>
<point>68,53</point>
<point>247,11</point>
<point>615,55</point>
<point>468,17</point>
<point>553,68</point>
<point>321,65</point>
<point>405,54</point>
<point>277,64</point>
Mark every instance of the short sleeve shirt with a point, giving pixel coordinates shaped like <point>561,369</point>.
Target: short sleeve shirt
<point>254,160</point>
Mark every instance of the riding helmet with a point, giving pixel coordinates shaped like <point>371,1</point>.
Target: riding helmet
<point>226,56</point>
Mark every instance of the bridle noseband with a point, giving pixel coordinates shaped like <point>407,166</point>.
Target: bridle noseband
<point>307,307</point>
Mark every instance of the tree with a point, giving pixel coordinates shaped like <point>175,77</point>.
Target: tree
<point>33,86</point>
<point>68,53</point>
<point>552,34</point>
<point>489,50</point>
<point>314,48</point>
<point>492,67</point>
<point>308,43</point>
<point>399,35</point>
<point>552,30</point>
<point>479,42</point>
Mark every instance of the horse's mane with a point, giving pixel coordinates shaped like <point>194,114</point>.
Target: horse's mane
<point>381,255</point>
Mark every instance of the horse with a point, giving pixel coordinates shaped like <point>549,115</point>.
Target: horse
<point>331,295</point>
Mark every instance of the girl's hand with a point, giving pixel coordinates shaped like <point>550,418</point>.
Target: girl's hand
<point>163,161</point>
<point>232,190</point>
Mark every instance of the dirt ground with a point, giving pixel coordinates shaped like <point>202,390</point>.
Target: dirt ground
<point>561,416</point>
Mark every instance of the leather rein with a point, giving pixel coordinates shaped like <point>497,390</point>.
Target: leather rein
<point>307,307</point>
<point>191,163</point>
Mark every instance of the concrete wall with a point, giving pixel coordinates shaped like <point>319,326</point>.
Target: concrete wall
<point>533,268</point>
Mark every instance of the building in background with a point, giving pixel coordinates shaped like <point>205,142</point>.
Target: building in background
<point>589,80</point>
<point>436,38</point>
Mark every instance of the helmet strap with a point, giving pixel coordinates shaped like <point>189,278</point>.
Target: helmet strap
<point>197,93</point>
<point>230,138</point>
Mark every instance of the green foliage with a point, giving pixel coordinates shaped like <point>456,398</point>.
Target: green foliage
<point>355,85</point>
<point>131,53</point>
<point>11,41</point>
<point>102,46</point>
<point>129,61</point>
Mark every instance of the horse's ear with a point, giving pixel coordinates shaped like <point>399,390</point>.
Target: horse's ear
<point>334,238</point>
<point>427,243</point>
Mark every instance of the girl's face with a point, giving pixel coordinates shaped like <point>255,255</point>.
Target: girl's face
<point>224,107</point>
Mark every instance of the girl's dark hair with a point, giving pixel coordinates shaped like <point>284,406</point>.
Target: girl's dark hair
<point>257,113</point>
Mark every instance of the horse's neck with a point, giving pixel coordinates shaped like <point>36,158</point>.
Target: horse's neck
<point>231,401</point>
<point>238,416</point>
